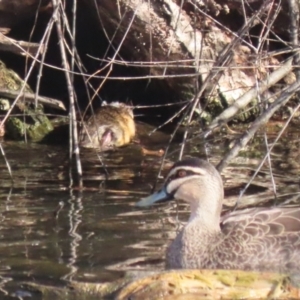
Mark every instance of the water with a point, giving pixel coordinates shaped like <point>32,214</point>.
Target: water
<point>51,233</point>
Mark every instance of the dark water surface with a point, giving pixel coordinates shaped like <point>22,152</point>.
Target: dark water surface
<point>50,233</point>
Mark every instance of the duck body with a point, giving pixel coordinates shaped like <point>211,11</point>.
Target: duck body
<point>111,126</point>
<point>260,239</point>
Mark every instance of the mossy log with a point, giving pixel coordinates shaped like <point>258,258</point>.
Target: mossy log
<point>26,119</point>
<point>183,284</point>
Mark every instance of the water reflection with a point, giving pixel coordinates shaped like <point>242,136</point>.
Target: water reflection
<point>89,233</point>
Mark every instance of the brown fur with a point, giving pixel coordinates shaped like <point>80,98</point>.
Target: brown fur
<point>111,126</point>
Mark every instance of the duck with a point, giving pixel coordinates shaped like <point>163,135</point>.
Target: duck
<point>111,126</point>
<point>253,239</point>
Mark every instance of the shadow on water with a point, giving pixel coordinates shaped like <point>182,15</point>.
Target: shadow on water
<point>97,234</point>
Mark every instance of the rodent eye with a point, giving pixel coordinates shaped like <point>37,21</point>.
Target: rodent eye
<point>181,173</point>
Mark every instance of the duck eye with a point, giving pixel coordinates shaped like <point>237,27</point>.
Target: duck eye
<point>181,173</point>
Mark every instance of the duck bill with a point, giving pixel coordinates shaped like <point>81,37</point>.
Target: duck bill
<point>160,196</point>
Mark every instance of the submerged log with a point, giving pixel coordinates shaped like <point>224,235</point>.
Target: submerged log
<point>211,284</point>
<point>182,284</point>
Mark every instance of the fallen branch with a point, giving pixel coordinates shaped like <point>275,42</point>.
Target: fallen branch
<point>244,100</point>
<point>32,97</point>
<point>19,47</point>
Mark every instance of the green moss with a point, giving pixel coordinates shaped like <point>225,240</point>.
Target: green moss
<point>10,80</point>
<point>216,105</point>
<point>226,278</point>
<point>16,128</point>
<point>32,121</point>
<point>38,131</point>
<point>205,280</point>
<point>246,280</point>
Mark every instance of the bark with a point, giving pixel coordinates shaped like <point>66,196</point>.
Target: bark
<point>13,12</point>
<point>184,45</point>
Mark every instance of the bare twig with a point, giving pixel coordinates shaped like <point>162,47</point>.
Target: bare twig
<point>268,157</point>
<point>224,59</point>
<point>7,163</point>
<point>72,112</point>
<point>283,98</point>
<point>169,143</point>
<point>244,100</point>
<point>21,91</point>
<point>110,64</point>
<point>294,31</point>
<point>267,154</point>
<point>40,73</point>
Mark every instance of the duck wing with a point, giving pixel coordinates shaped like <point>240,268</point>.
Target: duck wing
<point>263,239</point>
<point>274,221</point>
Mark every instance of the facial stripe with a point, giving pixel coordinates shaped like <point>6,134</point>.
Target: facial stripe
<point>189,171</point>
<point>173,184</point>
<point>185,170</point>
<point>178,175</point>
